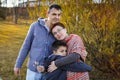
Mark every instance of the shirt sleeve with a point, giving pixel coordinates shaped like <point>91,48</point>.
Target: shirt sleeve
<point>67,60</point>
<point>77,67</point>
<point>78,47</point>
<point>25,47</point>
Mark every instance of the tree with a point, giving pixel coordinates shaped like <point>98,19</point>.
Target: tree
<point>15,12</point>
<point>35,11</point>
<point>98,25</point>
<point>3,10</point>
<point>0,3</point>
<point>15,15</point>
<point>99,28</point>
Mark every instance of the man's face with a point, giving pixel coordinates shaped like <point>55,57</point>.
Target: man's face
<point>54,15</point>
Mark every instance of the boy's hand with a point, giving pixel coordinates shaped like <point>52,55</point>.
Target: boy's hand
<point>40,68</point>
<point>36,64</point>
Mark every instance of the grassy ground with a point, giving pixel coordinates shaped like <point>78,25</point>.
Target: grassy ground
<point>11,38</point>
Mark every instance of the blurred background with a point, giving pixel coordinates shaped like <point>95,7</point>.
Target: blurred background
<point>96,21</point>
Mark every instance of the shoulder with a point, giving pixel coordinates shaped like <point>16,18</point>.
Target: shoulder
<point>34,24</point>
<point>37,24</point>
<point>51,55</point>
<point>40,21</point>
<point>76,39</point>
<point>55,56</point>
<point>75,36</point>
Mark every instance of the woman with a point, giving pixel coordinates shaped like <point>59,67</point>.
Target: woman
<point>75,46</point>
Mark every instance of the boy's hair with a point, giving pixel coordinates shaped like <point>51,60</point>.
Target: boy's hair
<point>56,6</point>
<point>57,44</point>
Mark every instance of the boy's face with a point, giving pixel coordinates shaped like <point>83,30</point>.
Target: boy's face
<point>62,50</point>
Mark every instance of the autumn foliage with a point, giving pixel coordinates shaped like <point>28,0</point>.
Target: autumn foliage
<point>98,25</point>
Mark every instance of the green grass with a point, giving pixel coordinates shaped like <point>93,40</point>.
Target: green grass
<point>11,39</point>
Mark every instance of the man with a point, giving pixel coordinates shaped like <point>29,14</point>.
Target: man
<point>38,43</point>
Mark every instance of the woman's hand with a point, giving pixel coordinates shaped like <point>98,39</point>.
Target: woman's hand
<point>52,67</point>
<point>84,54</point>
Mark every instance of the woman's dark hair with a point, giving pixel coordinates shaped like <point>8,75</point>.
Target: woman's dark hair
<point>57,24</point>
<point>57,44</point>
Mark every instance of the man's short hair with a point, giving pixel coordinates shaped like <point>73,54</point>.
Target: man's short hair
<point>56,6</point>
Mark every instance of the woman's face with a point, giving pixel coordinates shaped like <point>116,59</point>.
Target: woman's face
<point>59,32</point>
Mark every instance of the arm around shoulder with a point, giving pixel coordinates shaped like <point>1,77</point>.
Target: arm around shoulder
<point>73,57</point>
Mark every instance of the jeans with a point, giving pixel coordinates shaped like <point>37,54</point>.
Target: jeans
<point>31,75</point>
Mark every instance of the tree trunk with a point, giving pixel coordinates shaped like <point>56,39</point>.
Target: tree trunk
<point>15,16</point>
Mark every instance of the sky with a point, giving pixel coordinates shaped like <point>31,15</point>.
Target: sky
<point>11,3</point>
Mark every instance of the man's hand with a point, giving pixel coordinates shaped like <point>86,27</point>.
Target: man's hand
<point>16,71</point>
<point>52,67</point>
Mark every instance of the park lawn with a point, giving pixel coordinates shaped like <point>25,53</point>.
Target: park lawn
<point>11,39</point>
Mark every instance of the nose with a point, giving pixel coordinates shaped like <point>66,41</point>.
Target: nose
<point>64,52</point>
<point>57,16</point>
<point>57,34</point>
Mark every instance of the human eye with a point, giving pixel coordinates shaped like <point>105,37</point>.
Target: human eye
<point>54,33</point>
<point>53,14</point>
<point>65,50</point>
<point>62,51</point>
<point>59,30</point>
<point>59,14</point>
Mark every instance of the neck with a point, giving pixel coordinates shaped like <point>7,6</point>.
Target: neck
<point>66,36</point>
<point>48,24</point>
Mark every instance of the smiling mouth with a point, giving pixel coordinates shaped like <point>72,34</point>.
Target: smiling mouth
<point>58,37</point>
<point>56,19</point>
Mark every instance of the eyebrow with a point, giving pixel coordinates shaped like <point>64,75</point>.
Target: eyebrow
<point>56,14</point>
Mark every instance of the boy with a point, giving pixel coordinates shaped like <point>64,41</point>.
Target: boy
<point>59,51</point>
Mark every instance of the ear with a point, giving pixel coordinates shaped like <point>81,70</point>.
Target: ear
<point>47,13</point>
<point>54,52</point>
<point>65,30</point>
